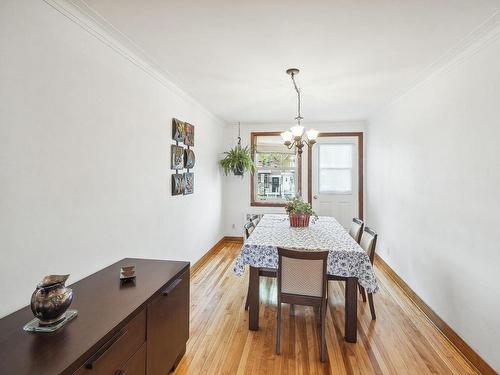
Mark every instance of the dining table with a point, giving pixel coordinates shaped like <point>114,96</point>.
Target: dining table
<point>346,259</point>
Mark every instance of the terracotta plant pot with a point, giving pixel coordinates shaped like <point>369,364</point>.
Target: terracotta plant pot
<point>299,220</point>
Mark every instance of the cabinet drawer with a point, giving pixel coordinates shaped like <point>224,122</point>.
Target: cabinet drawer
<point>112,355</point>
<point>168,326</point>
<point>135,365</point>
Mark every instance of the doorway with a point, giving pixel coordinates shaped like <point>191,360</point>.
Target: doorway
<point>335,176</point>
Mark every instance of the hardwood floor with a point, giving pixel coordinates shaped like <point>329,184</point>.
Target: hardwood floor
<point>401,341</point>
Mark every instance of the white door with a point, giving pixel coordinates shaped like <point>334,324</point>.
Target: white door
<point>335,178</point>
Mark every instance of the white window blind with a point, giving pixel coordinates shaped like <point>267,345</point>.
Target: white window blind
<point>335,168</point>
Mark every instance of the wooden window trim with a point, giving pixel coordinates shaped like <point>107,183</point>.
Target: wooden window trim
<point>359,135</point>
<point>253,144</point>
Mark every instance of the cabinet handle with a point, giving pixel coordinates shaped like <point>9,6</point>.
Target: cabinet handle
<point>171,287</point>
<point>103,349</point>
<point>120,372</point>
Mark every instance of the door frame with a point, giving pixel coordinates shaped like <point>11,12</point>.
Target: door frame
<point>359,135</point>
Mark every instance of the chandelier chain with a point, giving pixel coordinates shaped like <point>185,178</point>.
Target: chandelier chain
<point>295,137</point>
<point>299,117</point>
<point>239,134</point>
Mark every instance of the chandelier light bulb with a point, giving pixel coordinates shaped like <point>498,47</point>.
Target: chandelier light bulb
<point>297,131</point>
<point>312,134</point>
<point>287,137</point>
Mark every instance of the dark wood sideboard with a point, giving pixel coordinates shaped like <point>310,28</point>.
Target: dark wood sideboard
<point>121,329</point>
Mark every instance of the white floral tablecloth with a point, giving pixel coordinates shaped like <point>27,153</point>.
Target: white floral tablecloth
<point>346,258</point>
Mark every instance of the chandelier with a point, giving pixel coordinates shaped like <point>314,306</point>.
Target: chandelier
<point>295,136</point>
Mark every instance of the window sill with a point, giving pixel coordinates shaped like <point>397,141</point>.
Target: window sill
<point>267,204</point>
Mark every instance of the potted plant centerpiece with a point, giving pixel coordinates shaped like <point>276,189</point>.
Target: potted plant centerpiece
<point>299,212</point>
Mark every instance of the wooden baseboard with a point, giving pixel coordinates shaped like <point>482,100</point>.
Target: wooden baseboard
<point>475,359</point>
<point>233,239</point>
<point>214,250</point>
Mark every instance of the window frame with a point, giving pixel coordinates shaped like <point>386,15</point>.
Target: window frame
<point>298,172</point>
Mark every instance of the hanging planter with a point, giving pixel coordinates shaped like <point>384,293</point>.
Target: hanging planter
<point>239,170</point>
<point>238,159</point>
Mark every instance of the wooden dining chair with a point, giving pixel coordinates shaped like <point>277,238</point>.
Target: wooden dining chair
<point>249,227</point>
<point>369,244</point>
<point>356,229</point>
<point>302,281</point>
<point>255,220</point>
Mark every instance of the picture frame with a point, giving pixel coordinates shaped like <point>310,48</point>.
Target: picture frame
<point>177,184</point>
<point>176,157</point>
<point>188,182</point>
<point>178,130</point>
<point>188,134</point>
<point>189,158</point>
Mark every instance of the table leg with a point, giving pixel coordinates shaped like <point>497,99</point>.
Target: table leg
<point>253,299</point>
<point>351,309</point>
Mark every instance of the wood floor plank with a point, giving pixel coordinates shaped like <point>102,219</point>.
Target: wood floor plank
<point>401,341</point>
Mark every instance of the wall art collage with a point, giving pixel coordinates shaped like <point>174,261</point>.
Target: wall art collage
<point>182,157</point>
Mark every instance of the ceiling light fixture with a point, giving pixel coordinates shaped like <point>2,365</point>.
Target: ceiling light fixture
<point>295,136</point>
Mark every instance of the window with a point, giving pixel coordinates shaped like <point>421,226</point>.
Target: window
<point>335,168</point>
<point>275,180</point>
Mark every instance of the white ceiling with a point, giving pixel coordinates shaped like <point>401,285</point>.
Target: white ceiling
<point>354,55</point>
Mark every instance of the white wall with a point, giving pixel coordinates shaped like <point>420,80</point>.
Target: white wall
<point>237,189</point>
<point>433,193</point>
<point>84,157</point>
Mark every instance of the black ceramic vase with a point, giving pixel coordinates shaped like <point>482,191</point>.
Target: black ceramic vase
<point>51,299</point>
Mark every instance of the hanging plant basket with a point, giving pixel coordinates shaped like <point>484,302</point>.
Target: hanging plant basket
<point>239,170</point>
<point>238,160</point>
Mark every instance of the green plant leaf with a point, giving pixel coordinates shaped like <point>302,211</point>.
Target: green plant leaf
<point>298,206</point>
<point>238,159</point>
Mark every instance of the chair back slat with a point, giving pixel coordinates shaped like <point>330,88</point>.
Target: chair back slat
<point>249,227</point>
<point>369,242</point>
<point>255,220</point>
<point>356,229</point>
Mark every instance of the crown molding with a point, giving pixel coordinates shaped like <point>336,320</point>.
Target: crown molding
<point>84,16</point>
<point>81,14</point>
<point>479,38</point>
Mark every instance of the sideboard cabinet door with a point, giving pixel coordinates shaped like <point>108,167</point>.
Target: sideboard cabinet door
<point>168,326</point>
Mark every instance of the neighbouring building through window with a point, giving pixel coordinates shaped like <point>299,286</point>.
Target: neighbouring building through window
<point>275,180</point>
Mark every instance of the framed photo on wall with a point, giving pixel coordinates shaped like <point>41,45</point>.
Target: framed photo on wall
<point>177,157</point>
<point>189,158</point>
<point>188,134</point>
<point>177,184</point>
<point>188,183</point>
<point>182,157</point>
<point>178,130</point>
